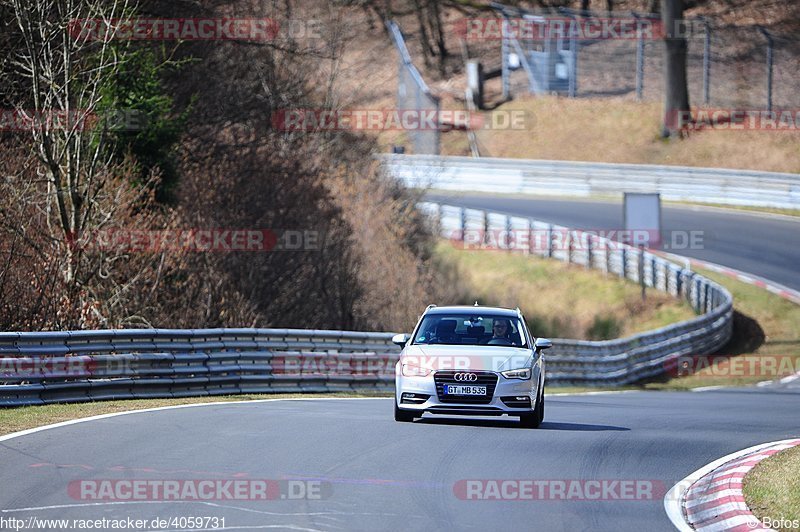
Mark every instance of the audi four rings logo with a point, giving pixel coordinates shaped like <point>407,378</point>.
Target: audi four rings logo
<point>471,377</point>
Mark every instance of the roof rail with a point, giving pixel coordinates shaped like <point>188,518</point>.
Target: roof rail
<point>430,307</point>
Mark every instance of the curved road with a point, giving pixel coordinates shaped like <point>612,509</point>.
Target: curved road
<point>388,475</point>
<point>768,246</point>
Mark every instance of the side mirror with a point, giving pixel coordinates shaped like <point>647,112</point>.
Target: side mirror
<point>543,343</point>
<point>401,339</point>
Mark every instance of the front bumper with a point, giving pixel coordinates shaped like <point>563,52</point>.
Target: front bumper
<point>507,399</point>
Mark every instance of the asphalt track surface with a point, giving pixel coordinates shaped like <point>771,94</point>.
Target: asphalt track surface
<point>767,246</point>
<point>386,475</point>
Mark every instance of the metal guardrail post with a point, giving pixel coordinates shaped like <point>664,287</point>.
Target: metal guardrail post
<point>531,238</point>
<point>463,213</point>
<point>589,262</point>
<point>654,275</point>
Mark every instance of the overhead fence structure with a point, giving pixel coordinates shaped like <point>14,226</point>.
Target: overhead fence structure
<point>413,94</point>
<point>521,176</point>
<point>746,67</point>
<point>78,366</point>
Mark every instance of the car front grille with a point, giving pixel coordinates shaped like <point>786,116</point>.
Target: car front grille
<point>485,378</point>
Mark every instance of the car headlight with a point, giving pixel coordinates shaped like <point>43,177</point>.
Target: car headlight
<point>524,373</point>
<point>415,371</point>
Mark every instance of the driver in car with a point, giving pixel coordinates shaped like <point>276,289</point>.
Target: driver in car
<point>499,330</point>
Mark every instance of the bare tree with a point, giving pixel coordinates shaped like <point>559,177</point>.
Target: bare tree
<point>676,91</point>
<point>65,71</point>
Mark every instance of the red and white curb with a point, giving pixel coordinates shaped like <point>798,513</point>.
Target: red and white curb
<point>711,498</point>
<point>748,278</point>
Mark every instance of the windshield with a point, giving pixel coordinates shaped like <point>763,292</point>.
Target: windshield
<point>470,329</point>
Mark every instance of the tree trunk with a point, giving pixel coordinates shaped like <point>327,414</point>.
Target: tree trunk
<point>676,92</point>
<point>585,5</point>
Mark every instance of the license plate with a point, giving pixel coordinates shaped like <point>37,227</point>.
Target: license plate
<point>450,389</point>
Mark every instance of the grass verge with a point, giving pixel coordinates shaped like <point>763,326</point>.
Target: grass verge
<point>772,488</point>
<point>561,300</point>
<point>765,343</point>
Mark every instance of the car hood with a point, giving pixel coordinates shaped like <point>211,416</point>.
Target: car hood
<point>466,357</point>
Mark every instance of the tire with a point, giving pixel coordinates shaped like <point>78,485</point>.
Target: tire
<point>403,416</point>
<point>533,420</point>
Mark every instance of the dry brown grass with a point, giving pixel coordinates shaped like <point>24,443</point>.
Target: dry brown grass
<point>620,131</point>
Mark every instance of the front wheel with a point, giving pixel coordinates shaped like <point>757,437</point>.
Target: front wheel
<point>402,415</point>
<point>533,420</point>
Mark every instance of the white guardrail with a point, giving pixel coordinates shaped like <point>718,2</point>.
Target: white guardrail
<point>521,176</point>
<point>75,366</point>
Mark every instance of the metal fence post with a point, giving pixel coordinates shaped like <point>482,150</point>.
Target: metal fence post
<point>550,241</point>
<point>463,224</point>
<point>770,50</point>
<point>485,227</point>
<point>573,48</point>
<point>622,270</point>
<point>639,59</point>
<point>707,64</point>
<point>506,68</point>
